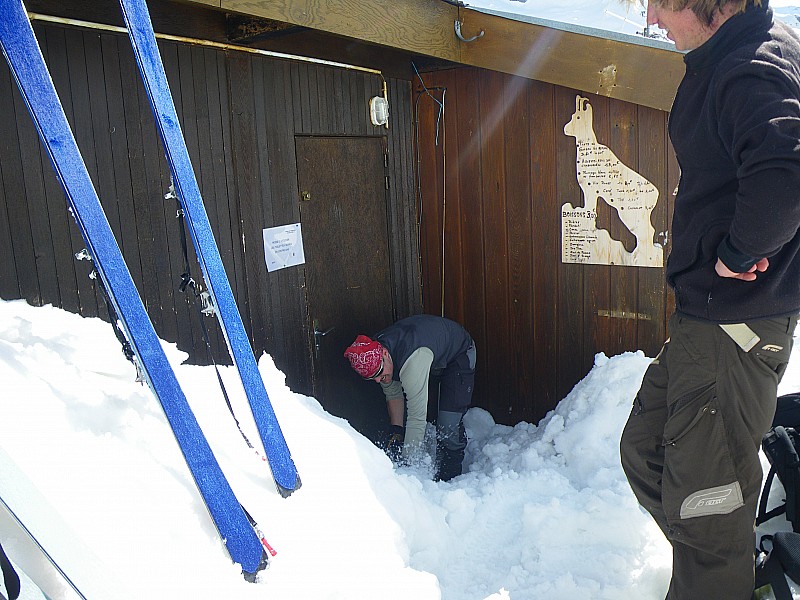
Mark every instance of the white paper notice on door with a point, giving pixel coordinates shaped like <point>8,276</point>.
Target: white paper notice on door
<point>283,247</point>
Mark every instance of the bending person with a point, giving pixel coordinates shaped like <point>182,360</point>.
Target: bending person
<point>407,359</point>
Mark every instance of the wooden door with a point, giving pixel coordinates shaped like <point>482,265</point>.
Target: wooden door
<point>342,190</point>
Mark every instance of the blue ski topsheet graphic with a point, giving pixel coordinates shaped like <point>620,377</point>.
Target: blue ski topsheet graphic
<point>140,31</point>
<point>25,59</point>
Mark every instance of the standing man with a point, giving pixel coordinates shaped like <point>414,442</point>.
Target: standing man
<point>408,358</point>
<point>690,446</point>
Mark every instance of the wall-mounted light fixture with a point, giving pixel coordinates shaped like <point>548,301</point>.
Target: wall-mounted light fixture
<point>379,111</point>
<point>379,108</point>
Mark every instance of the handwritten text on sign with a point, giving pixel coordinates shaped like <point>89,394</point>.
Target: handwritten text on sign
<point>602,175</point>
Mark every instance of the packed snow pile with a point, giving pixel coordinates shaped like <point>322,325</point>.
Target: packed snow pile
<point>91,466</point>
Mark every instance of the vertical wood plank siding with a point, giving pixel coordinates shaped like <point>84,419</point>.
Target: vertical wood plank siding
<point>498,177</point>
<point>479,159</point>
<point>240,114</point>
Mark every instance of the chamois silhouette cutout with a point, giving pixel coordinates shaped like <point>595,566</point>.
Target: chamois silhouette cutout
<point>602,175</point>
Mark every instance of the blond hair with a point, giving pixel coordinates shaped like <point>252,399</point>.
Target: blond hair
<point>704,9</point>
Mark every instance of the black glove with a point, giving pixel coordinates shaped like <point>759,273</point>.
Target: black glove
<point>394,444</point>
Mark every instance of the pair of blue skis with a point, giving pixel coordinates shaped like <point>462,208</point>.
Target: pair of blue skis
<point>27,64</point>
<point>140,30</point>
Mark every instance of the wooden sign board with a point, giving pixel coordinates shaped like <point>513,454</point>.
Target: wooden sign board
<point>602,175</point>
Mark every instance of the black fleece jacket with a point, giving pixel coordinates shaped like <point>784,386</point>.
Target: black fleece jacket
<point>735,127</point>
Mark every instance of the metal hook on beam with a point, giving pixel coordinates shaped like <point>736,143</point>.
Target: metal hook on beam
<point>462,38</point>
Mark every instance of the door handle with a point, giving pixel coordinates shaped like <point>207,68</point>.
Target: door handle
<point>319,334</point>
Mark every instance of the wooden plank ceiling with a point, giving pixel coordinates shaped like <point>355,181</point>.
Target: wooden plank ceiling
<point>627,71</point>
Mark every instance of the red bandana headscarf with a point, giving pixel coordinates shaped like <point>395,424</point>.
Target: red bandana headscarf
<point>365,356</point>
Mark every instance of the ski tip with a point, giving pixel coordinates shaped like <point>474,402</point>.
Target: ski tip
<point>284,491</point>
<point>262,565</point>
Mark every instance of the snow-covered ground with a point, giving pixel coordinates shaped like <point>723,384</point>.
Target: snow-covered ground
<point>90,465</point>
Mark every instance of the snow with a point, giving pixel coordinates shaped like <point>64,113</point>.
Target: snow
<point>605,18</point>
<point>543,510</point>
<point>90,465</point>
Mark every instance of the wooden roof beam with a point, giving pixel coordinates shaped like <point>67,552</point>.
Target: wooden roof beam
<point>419,26</point>
<point>242,29</point>
<point>634,72</point>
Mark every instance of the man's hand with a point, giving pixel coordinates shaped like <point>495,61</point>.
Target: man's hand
<point>394,445</point>
<point>723,271</point>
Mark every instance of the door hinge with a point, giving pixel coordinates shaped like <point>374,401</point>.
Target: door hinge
<point>387,182</point>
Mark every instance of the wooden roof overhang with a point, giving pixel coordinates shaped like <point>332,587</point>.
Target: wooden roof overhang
<point>629,69</point>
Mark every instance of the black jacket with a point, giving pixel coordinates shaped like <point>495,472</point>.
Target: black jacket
<point>446,339</point>
<point>735,127</point>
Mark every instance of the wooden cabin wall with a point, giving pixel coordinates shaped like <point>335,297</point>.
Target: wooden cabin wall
<point>495,170</point>
<point>240,114</point>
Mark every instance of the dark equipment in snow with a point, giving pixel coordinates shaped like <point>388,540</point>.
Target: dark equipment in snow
<point>787,412</point>
<point>781,444</point>
<point>782,561</point>
<point>10,577</point>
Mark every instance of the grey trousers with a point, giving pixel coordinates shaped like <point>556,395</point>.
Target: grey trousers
<point>455,396</point>
<point>690,447</point>
<point>456,384</point>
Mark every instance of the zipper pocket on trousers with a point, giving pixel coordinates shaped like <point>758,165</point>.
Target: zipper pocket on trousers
<point>637,406</point>
<point>708,409</point>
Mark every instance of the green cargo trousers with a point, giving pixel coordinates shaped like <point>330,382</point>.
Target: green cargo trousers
<point>690,447</point>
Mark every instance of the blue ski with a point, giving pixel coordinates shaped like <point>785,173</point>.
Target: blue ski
<point>140,31</point>
<point>27,64</point>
